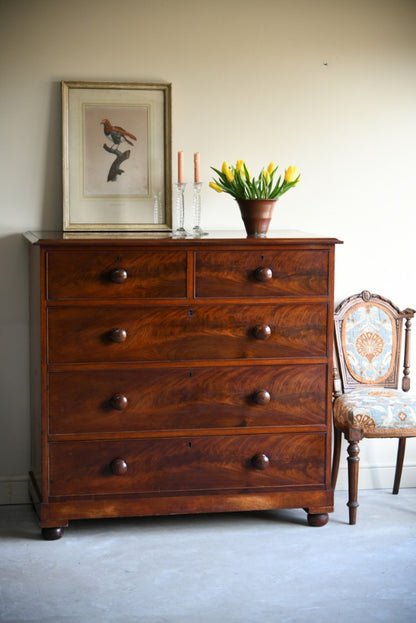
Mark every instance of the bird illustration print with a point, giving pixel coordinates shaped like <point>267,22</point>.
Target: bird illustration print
<point>117,135</point>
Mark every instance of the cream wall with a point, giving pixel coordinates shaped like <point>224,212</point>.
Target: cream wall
<point>327,85</point>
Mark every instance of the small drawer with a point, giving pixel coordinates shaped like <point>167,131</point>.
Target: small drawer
<point>120,274</point>
<point>262,273</point>
<point>185,464</point>
<point>186,398</point>
<point>209,332</point>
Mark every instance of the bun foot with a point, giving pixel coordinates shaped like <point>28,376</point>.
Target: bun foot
<point>52,534</point>
<point>316,520</point>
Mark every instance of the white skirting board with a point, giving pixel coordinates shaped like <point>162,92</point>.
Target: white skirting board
<point>379,477</point>
<point>14,489</point>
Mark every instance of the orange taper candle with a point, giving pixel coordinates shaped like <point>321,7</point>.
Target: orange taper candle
<point>197,173</point>
<point>180,167</point>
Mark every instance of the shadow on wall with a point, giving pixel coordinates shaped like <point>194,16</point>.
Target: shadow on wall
<point>14,360</point>
<point>14,308</point>
<point>51,215</point>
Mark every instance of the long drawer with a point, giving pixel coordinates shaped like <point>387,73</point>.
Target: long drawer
<point>262,273</point>
<point>116,275</point>
<point>212,463</point>
<point>186,398</point>
<point>116,334</point>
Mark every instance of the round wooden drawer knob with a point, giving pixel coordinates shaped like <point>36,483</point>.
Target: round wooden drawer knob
<point>118,275</point>
<point>262,273</point>
<point>118,335</point>
<point>262,331</point>
<point>118,467</point>
<point>262,397</point>
<point>119,402</point>
<point>260,461</point>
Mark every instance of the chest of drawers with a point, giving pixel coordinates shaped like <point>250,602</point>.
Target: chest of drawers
<point>180,376</point>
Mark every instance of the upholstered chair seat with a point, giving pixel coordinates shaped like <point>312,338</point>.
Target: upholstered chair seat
<point>377,412</point>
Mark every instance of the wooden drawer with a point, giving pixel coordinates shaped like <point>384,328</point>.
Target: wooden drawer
<point>262,273</point>
<point>212,463</point>
<point>116,275</point>
<point>186,398</point>
<point>186,333</point>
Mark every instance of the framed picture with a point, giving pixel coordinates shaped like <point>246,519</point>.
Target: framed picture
<point>116,156</point>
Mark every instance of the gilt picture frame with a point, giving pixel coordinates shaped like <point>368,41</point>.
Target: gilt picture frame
<point>117,156</point>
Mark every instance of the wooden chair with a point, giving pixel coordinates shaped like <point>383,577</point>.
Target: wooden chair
<point>367,401</point>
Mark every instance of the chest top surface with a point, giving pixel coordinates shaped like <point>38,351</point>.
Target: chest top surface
<point>232,238</point>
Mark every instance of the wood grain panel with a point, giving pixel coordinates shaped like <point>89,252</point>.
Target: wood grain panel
<point>88,275</point>
<point>186,398</point>
<point>231,273</point>
<point>186,333</point>
<point>187,464</point>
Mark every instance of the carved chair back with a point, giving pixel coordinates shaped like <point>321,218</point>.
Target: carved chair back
<point>368,340</point>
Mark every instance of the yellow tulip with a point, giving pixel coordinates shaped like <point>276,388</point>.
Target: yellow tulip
<point>291,174</point>
<point>267,176</point>
<point>271,167</point>
<point>227,171</point>
<point>239,167</point>
<point>216,187</point>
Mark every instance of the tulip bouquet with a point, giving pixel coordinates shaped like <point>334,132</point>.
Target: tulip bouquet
<point>238,182</point>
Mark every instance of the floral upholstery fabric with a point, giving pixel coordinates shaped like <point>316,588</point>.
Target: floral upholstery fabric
<point>377,412</point>
<point>369,342</point>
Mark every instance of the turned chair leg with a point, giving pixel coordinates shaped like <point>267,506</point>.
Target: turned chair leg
<point>336,457</point>
<point>353,464</point>
<point>399,464</point>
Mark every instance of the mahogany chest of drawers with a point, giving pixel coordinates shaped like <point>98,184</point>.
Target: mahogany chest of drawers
<point>180,376</point>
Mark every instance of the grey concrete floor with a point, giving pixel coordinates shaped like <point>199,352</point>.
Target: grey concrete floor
<point>235,568</point>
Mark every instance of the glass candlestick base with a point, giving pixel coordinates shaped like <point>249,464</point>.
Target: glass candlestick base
<point>196,210</point>
<point>157,208</point>
<point>180,231</point>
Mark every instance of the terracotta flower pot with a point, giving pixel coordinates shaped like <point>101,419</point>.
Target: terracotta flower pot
<point>256,215</point>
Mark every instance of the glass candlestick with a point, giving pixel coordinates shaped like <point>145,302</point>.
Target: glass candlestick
<point>157,208</point>
<point>196,210</point>
<point>180,231</point>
